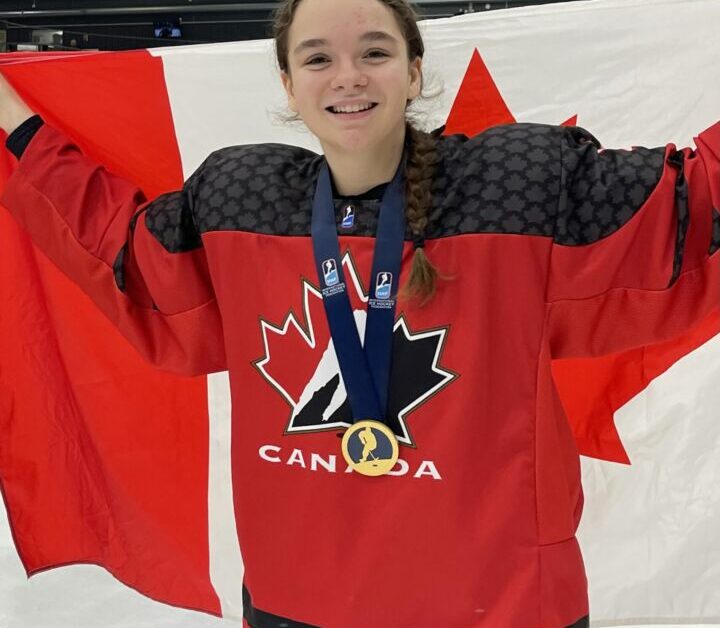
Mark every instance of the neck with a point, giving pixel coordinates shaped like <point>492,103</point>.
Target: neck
<point>357,172</point>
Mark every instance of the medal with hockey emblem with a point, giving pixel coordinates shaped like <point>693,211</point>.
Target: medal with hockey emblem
<point>370,448</point>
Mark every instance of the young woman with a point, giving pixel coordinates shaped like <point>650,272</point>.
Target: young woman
<point>545,247</point>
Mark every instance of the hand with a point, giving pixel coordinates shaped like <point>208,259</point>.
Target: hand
<point>13,110</point>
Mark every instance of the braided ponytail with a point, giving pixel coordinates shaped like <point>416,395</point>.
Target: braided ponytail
<point>420,168</point>
<point>422,154</point>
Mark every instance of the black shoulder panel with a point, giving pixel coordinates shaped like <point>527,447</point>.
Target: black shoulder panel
<point>263,188</point>
<point>682,208</point>
<point>170,219</point>
<point>602,190</point>
<point>529,179</point>
<point>504,180</point>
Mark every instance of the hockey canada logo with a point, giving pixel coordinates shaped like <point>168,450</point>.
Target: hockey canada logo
<point>299,362</point>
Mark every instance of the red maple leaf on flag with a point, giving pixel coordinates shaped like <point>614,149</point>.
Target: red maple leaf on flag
<point>591,389</point>
<point>479,104</point>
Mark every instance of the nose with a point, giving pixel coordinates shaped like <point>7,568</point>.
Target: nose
<point>348,76</point>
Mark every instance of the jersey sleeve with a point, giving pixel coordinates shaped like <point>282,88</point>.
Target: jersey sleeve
<point>634,257</point>
<point>142,263</point>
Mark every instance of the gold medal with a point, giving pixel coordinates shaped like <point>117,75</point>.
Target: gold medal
<point>370,448</point>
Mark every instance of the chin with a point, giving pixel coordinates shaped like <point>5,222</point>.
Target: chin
<point>355,140</point>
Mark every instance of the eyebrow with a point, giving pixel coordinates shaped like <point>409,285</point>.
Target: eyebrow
<point>369,36</point>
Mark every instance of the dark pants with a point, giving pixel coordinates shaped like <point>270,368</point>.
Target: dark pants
<point>262,619</point>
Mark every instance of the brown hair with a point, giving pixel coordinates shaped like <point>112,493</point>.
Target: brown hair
<point>422,151</point>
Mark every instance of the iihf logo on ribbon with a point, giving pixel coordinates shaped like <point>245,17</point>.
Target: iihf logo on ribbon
<point>330,272</point>
<point>348,217</point>
<point>383,286</point>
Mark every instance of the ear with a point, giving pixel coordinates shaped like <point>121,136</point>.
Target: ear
<point>287,84</point>
<point>415,81</point>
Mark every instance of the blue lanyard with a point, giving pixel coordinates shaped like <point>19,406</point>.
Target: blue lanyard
<point>365,371</point>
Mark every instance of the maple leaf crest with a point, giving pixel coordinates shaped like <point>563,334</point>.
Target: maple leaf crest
<point>300,363</point>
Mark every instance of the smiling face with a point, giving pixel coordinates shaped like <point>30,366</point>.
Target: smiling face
<point>350,53</point>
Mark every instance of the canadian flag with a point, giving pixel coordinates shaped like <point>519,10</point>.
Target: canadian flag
<point>108,461</point>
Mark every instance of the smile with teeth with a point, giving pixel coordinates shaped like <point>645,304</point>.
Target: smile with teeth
<point>352,108</point>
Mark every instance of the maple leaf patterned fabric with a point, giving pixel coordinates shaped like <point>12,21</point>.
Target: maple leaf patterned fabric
<point>504,180</point>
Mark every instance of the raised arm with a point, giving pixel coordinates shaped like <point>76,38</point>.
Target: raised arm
<point>143,263</point>
<point>13,109</point>
<point>634,259</point>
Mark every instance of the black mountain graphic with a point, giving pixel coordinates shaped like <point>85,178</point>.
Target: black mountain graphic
<point>411,377</point>
<point>312,412</point>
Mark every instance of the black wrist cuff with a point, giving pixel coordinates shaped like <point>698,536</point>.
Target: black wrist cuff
<point>19,139</point>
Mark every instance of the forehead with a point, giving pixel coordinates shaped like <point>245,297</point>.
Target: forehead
<point>339,20</point>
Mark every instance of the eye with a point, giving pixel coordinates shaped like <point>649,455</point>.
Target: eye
<point>374,54</point>
<point>314,59</point>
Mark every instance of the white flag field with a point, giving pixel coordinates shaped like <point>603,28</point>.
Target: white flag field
<point>634,73</point>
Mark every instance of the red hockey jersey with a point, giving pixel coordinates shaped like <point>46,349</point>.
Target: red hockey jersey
<point>552,248</point>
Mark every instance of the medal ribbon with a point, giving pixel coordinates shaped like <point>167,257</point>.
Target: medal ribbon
<point>365,370</point>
